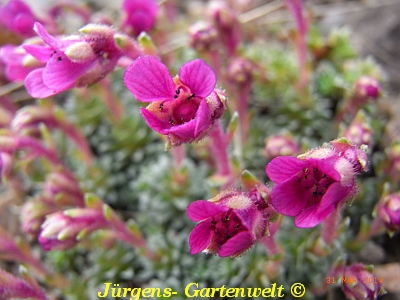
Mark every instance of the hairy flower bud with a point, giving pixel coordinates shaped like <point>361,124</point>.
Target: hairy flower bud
<point>280,145</point>
<point>63,230</point>
<point>203,36</point>
<point>359,131</point>
<point>388,211</point>
<point>367,87</point>
<point>358,282</point>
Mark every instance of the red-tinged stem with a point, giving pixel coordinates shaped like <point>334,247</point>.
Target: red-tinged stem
<point>219,149</point>
<point>329,227</point>
<point>178,154</point>
<point>111,102</point>
<point>242,107</point>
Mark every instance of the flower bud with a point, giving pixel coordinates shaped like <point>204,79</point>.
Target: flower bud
<point>203,36</point>
<point>240,71</point>
<point>33,214</point>
<point>63,230</point>
<point>388,211</point>
<point>6,165</point>
<point>280,145</point>
<point>366,88</point>
<point>64,188</point>
<point>359,131</point>
<point>358,282</point>
<point>217,102</point>
<point>393,155</point>
<point>357,156</point>
<point>15,288</point>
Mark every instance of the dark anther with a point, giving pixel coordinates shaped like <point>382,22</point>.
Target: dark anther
<point>175,96</point>
<point>315,170</point>
<point>170,121</point>
<point>237,226</point>
<point>320,193</point>
<point>161,106</point>
<point>305,177</point>
<point>314,193</point>
<point>227,236</point>
<point>178,92</point>
<point>191,96</point>
<point>299,180</point>
<point>225,219</point>
<point>213,222</point>
<point>323,176</point>
<point>305,170</point>
<point>59,58</point>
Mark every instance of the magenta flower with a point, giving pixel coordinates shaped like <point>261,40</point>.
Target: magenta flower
<point>311,186</point>
<point>229,224</point>
<point>18,63</point>
<point>183,108</point>
<point>75,61</point>
<point>16,16</point>
<point>139,15</point>
<point>388,211</point>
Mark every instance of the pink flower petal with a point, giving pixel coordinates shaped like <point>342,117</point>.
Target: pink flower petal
<point>202,209</point>
<point>200,237</point>
<point>326,166</point>
<point>61,74</point>
<point>290,197</point>
<point>310,217</point>
<point>236,245</point>
<point>335,194</point>
<point>149,80</point>
<point>202,118</point>
<point>41,53</point>
<point>55,43</point>
<point>35,86</point>
<point>198,77</point>
<point>154,122</point>
<point>283,168</point>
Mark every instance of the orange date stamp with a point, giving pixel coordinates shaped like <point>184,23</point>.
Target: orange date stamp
<point>353,280</point>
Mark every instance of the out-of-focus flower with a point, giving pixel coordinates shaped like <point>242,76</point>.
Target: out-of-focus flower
<point>312,185</point>
<point>366,88</point>
<point>358,282</point>
<point>203,36</point>
<point>63,230</point>
<point>240,72</point>
<point>359,131</point>
<point>388,211</point>
<point>280,145</point>
<point>6,165</point>
<point>393,164</point>
<point>18,63</point>
<point>227,24</point>
<point>16,16</point>
<point>183,108</point>
<point>229,224</point>
<point>34,212</point>
<point>15,288</point>
<point>139,16</point>
<point>76,61</point>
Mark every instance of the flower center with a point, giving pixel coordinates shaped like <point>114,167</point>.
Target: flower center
<point>316,182</point>
<point>184,107</point>
<point>225,225</point>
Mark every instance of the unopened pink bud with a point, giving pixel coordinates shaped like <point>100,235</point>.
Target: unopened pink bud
<point>388,211</point>
<point>203,36</point>
<point>33,214</point>
<point>280,145</point>
<point>358,282</point>
<point>240,71</point>
<point>6,165</point>
<point>63,230</point>
<point>64,188</point>
<point>367,87</point>
<point>359,131</point>
<point>15,288</point>
<point>217,102</point>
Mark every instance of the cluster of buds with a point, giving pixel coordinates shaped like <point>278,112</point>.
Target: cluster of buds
<point>183,108</point>
<point>280,145</point>
<point>312,185</point>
